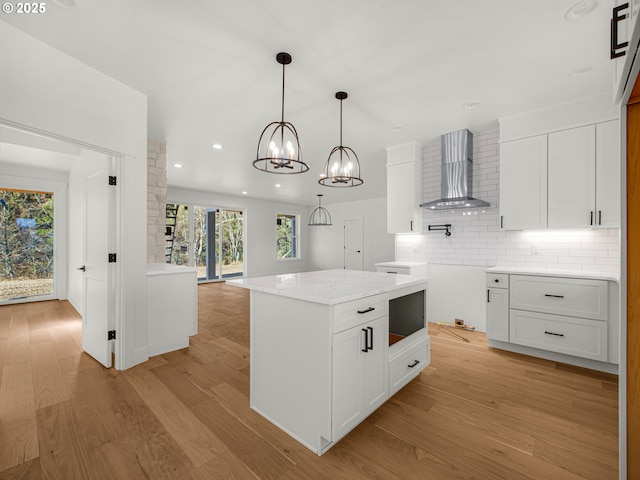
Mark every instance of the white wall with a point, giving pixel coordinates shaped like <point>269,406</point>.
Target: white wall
<point>50,92</point>
<point>260,229</point>
<point>327,242</point>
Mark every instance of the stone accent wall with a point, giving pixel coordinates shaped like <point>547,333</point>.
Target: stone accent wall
<point>156,200</point>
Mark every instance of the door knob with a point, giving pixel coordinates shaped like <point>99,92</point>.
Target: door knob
<point>83,268</point>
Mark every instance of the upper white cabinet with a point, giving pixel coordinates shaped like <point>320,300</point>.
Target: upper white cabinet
<point>565,179</point>
<point>572,174</point>
<point>607,175</point>
<point>523,184</point>
<point>404,188</point>
<point>584,177</point>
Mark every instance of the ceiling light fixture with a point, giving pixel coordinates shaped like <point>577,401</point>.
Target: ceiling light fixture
<point>320,216</point>
<point>471,105</point>
<point>177,165</point>
<point>279,146</point>
<point>343,167</point>
<point>580,9</point>
<point>216,146</point>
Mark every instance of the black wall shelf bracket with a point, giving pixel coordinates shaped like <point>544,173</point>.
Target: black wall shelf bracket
<point>444,228</point>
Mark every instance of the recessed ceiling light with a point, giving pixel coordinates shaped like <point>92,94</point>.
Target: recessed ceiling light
<point>397,128</point>
<point>66,3</point>
<point>471,105</point>
<point>278,185</point>
<point>579,72</point>
<point>177,165</point>
<point>580,9</point>
<point>216,146</point>
<point>244,193</point>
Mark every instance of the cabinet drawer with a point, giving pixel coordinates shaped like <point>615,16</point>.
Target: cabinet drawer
<point>394,270</point>
<point>573,336</point>
<point>407,364</point>
<point>497,280</point>
<point>357,312</point>
<point>575,297</point>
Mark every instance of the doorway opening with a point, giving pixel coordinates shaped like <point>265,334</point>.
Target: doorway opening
<point>26,245</point>
<point>208,238</point>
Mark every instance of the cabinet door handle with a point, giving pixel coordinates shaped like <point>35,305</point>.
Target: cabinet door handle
<point>501,221</point>
<point>554,296</point>
<point>488,296</point>
<point>370,309</point>
<point>366,338</point>
<point>415,362</point>
<point>411,226</point>
<point>599,217</point>
<point>556,334</point>
<point>370,347</point>
<point>591,221</point>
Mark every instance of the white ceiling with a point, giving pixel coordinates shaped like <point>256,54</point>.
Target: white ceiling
<point>209,70</point>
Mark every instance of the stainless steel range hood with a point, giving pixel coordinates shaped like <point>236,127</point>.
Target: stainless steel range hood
<point>457,173</point>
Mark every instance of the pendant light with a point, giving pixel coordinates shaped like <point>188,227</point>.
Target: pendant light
<point>343,167</point>
<point>279,147</point>
<point>320,216</point>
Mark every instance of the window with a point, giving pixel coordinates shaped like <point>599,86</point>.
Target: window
<point>286,236</point>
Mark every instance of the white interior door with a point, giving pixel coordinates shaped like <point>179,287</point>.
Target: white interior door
<point>97,292</point>
<point>353,257</point>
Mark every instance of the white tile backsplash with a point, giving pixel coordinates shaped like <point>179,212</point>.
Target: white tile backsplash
<point>476,238</point>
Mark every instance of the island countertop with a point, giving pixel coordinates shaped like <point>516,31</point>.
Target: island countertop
<point>329,287</point>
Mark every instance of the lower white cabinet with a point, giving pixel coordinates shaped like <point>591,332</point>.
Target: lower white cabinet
<point>405,365</point>
<point>571,316</point>
<point>359,374</point>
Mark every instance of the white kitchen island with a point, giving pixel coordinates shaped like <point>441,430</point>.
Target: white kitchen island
<point>321,352</point>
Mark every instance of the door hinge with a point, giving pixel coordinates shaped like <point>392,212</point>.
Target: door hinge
<point>112,180</point>
<point>112,258</point>
<point>111,335</point>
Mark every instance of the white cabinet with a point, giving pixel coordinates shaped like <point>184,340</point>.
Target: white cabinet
<point>566,179</point>
<point>572,173</point>
<point>359,375</point>
<point>403,268</point>
<point>498,307</point>
<point>523,184</point>
<point>404,188</point>
<point>572,319</point>
<point>172,307</point>
<point>584,177</point>
<point>608,200</point>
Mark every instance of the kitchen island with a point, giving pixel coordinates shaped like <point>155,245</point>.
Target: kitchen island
<point>321,359</point>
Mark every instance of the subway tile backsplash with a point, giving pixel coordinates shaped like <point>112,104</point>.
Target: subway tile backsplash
<point>476,238</point>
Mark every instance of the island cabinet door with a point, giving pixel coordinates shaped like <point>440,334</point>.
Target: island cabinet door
<point>359,383</point>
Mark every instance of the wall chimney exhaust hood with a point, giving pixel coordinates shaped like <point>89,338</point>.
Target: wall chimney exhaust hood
<point>457,173</point>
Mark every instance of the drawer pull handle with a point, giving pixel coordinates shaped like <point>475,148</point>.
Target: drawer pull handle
<point>393,272</point>
<point>415,362</point>
<point>556,334</point>
<point>554,296</point>
<point>370,309</point>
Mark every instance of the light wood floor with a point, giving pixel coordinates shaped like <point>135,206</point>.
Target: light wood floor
<point>475,413</point>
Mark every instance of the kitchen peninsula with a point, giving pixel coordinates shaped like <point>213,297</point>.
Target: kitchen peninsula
<point>329,347</point>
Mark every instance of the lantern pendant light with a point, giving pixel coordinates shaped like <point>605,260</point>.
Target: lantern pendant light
<point>343,167</point>
<point>279,147</point>
<point>320,216</point>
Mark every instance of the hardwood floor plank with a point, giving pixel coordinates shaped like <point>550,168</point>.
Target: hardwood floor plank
<point>63,451</point>
<point>49,385</point>
<point>194,438</point>
<point>18,429</point>
<point>25,471</point>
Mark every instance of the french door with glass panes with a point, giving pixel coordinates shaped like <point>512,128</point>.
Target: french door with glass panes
<point>210,239</point>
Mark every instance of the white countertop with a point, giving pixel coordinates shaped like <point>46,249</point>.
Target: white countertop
<point>555,273</point>
<point>329,287</point>
<point>167,268</point>
<point>400,264</point>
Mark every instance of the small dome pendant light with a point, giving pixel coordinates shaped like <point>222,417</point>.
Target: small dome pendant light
<point>320,216</point>
<point>343,167</point>
<point>279,147</point>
